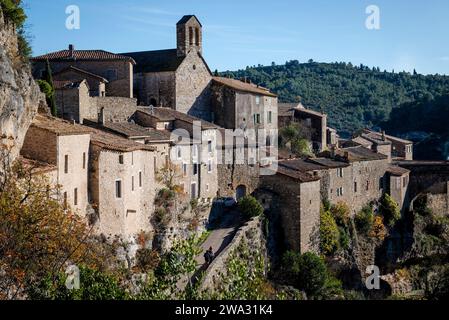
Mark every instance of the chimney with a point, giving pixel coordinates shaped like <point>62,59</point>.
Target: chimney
<point>101,118</point>
<point>71,49</point>
<point>383,136</point>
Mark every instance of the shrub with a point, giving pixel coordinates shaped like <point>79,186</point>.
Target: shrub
<point>364,220</point>
<point>46,88</point>
<point>250,207</point>
<point>147,259</point>
<point>340,211</point>
<point>378,229</point>
<point>390,210</point>
<point>344,239</point>
<point>13,12</point>
<point>329,235</point>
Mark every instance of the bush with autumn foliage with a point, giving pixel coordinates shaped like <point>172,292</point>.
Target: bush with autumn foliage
<point>38,237</point>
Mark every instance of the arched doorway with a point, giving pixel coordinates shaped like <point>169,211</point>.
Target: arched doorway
<point>240,192</point>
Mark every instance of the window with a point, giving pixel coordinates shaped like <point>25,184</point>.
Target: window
<point>256,118</point>
<point>381,183</point>
<point>355,186</point>
<point>111,74</point>
<point>184,169</point>
<point>209,146</point>
<point>207,187</point>
<point>132,158</point>
<point>195,169</point>
<point>340,172</point>
<point>66,164</point>
<point>75,196</point>
<point>121,159</point>
<point>155,165</point>
<point>179,152</point>
<point>367,185</point>
<point>132,183</point>
<point>269,117</point>
<point>140,179</point>
<point>209,166</point>
<point>197,36</point>
<point>340,192</point>
<point>65,200</point>
<point>84,160</point>
<point>257,100</point>
<point>191,35</point>
<point>118,189</point>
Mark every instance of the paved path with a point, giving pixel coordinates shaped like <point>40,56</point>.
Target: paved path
<point>220,237</point>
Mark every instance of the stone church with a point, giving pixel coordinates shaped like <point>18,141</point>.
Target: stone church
<point>175,78</point>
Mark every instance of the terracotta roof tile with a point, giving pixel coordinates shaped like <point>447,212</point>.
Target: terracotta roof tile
<point>58,126</point>
<point>243,86</point>
<point>70,55</point>
<point>114,142</point>
<point>81,71</point>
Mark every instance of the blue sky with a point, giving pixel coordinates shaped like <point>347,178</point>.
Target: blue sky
<point>237,33</point>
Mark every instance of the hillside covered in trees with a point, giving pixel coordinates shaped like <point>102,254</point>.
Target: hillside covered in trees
<point>352,96</point>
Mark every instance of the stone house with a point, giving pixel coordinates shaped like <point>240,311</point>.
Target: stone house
<point>116,69</point>
<point>121,183</point>
<point>398,185</point>
<point>96,83</point>
<point>194,149</point>
<point>238,165</point>
<point>241,105</point>
<point>293,198</point>
<point>315,121</point>
<point>395,148</point>
<point>66,146</point>
<point>176,78</point>
<point>75,103</point>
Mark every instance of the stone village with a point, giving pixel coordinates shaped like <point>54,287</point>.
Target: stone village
<point>123,118</point>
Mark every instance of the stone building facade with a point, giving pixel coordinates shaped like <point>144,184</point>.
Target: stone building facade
<point>320,135</point>
<point>297,205</point>
<point>52,141</point>
<point>395,148</point>
<point>176,78</point>
<point>121,183</point>
<point>116,69</point>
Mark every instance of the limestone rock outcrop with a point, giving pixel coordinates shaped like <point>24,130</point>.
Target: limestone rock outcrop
<point>20,96</point>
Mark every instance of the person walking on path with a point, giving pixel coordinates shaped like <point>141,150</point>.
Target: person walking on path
<point>209,256</point>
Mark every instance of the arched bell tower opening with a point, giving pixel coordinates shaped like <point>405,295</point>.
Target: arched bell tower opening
<point>189,35</point>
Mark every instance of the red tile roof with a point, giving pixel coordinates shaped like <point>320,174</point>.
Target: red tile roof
<point>82,55</point>
<point>243,86</point>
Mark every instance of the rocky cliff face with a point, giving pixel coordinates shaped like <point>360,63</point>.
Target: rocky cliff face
<point>20,96</point>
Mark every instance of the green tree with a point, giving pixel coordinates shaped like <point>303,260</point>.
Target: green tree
<point>390,210</point>
<point>364,220</point>
<point>93,285</point>
<point>329,234</point>
<point>250,207</point>
<point>49,79</point>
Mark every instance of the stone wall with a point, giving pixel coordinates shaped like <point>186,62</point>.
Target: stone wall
<point>192,87</point>
<point>76,148</point>
<point>157,89</point>
<point>34,148</point>
<point>361,183</point>
<point>116,109</point>
<point>130,214</point>
<point>298,208</point>
<point>121,87</point>
<point>252,234</point>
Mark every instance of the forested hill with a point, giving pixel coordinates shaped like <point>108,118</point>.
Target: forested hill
<point>352,96</point>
